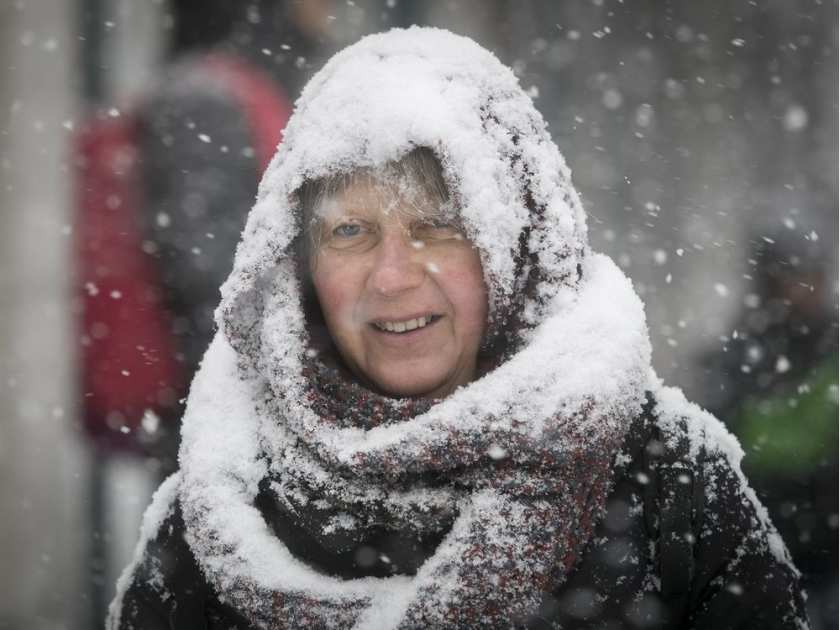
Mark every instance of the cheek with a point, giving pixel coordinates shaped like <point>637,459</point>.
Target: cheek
<point>464,284</point>
<point>335,295</point>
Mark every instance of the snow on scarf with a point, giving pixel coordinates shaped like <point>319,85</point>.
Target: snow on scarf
<point>527,448</point>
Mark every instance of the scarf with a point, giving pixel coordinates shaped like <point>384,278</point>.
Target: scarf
<point>511,472</point>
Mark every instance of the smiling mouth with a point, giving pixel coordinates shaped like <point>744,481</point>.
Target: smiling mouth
<point>405,326</point>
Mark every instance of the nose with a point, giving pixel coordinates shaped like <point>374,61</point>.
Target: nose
<point>397,267</point>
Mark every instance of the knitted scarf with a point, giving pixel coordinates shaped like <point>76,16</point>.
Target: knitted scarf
<point>525,452</point>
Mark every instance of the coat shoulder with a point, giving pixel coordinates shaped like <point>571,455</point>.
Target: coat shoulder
<point>715,455</point>
<point>743,573</point>
<point>678,420</point>
<point>163,576</point>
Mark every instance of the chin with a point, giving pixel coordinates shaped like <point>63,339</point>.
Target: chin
<point>416,388</point>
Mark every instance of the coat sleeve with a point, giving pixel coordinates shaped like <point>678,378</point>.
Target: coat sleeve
<point>744,577</point>
<point>163,588</point>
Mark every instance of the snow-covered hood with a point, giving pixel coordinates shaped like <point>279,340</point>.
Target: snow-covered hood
<point>392,92</point>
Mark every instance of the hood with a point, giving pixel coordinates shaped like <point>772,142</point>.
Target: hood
<point>377,100</point>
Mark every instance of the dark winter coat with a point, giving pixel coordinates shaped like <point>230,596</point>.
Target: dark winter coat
<point>679,547</point>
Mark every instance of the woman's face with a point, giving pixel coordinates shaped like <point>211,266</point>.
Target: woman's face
<point>402,292</point>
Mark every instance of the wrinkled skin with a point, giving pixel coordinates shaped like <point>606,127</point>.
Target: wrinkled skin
<point>380,260</point>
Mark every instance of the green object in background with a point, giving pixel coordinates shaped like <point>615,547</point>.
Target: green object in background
<point>792,432</point>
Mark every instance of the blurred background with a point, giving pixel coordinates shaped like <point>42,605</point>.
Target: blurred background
<point>702,136</point>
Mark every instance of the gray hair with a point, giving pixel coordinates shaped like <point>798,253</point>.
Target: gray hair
<point>419,173</point>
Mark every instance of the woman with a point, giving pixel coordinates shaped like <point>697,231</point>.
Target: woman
<point>430,405</point>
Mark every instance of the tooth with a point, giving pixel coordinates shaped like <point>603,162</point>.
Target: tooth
<point>399,327</point>
<point>411,324</point>
<point>389,326</point>
<point>421,321</point>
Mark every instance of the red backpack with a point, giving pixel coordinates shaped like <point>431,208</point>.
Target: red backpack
<point>129,369</point>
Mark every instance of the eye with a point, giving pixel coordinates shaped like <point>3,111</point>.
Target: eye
<point>437,230</point>
<point>347,230</point>
<point>351,234</point>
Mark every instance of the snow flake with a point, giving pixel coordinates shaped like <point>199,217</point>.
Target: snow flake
<point>150,422</point>
<point>684,33</point>
<point>497,452</point>
<point>660,256</point>
<point>644,115</point>
<point>796,118</point>
<point>612,98</point>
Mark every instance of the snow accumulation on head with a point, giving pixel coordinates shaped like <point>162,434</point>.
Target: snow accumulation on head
<point>390,93</point>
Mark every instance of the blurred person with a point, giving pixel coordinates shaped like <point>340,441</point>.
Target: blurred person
<point>166,187</point>
<point>776,388</point>
<point>208,132</point>
<point>429,403</point>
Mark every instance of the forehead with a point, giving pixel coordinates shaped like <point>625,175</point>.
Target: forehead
<point>374,196</point>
